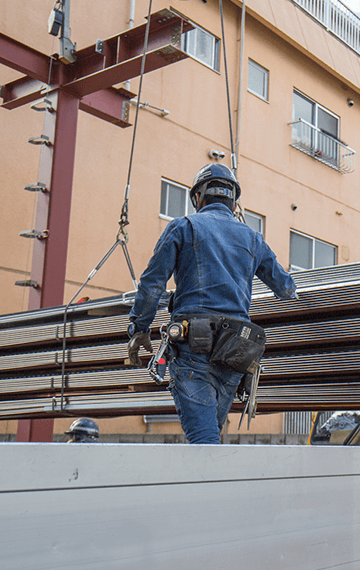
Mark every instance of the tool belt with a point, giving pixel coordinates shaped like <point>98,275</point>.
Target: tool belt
<point>232,343</point>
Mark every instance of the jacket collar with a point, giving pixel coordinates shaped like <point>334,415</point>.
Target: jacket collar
<point>216,207</point>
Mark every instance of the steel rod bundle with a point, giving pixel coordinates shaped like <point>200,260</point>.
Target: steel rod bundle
<point>312,357</point>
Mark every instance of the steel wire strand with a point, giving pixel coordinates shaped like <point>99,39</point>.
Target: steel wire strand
<point>124,213</point>
<point>240,214</point>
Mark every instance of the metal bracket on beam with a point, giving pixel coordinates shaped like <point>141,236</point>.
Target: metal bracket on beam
<point>41,139</point>
<point>99,46</point>
<point>37,187</point>
<point>44,105</point>
<point>35,234</point>
<point>27,283</point>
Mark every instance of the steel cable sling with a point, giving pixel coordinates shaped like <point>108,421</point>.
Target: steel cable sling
<point>240,215</point>
<point>122,236</point>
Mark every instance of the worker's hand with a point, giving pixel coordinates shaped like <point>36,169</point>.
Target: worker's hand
<point>139,339</point>
<point>296,296</point>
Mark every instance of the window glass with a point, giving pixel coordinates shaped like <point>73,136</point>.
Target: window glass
<point>300,251</point>
<point>175,201</point>
<point>163,200</point>
<point>318,138</point>
<point>327,123</point>
<point>189,207</point>
<point>258,79</point>
<point>254,221</point>
<point>307,252</point>
<point>202,45</point>
<point>302,108</point>
<point>325,254</point>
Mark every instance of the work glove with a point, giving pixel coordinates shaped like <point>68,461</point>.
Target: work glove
<point>139,339</point>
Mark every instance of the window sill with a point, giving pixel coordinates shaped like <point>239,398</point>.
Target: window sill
<point>202,63</point>
<point>167,218</point>
<point>258,96</point>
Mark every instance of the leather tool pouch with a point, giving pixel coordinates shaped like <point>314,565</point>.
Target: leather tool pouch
<point>201,335</point>
<point>238,349</point>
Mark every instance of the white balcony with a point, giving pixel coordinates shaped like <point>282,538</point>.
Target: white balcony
<point>322,147</point>
<point>336,18</point>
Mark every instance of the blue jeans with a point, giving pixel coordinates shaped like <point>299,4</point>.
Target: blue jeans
<point>203,394</point>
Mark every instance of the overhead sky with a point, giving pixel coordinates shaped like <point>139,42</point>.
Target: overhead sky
<point>354,5</point>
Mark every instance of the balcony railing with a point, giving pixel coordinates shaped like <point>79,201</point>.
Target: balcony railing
<point>323,147</point>
<point>337,19</point>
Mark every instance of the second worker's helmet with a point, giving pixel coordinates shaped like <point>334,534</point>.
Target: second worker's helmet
<point>215,180</point>
<point>83,430</point>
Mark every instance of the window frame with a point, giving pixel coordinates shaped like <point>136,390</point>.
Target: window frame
<point>181,187</point>
<point>252,63</point>
<point>322,144</point>
<point>215,65</point>
<point>315,240</point>
<point>259,217</point>
<point>316,107</point>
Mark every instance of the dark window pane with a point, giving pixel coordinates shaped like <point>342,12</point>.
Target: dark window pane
<point>190,207</point>
<point>163,198</point>
<point>257,79</point>
<point>177,197</point>
<point>302,109</point>
<point>254,222</point>
<point>202,45</point>
<point>325,254</point>
<point>300,251</point>
<point>327,123</point>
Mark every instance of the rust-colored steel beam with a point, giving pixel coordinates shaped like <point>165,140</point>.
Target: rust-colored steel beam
<point>21,92</point>
<point>53,208</point>
<point>99,66</point>
<point>85,84</point>
<point>49,254</point>
<point>23,58</point>
<point>122,55</point>
<point>111,105</point>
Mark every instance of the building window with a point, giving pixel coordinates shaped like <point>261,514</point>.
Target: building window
<point>315,131</point>
<point>255,221</point>
<point>175,200</point>
<point>315,128</point>
<point>258,80</point>
<point>307,252</point>
<point>202,46</point>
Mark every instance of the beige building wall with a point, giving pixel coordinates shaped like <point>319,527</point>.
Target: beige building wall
<point>298,53</point>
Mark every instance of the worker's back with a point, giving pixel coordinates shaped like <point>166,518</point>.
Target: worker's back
<point>217,261</point>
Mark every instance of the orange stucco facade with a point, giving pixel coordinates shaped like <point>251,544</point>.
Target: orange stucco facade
<point>298,53</point>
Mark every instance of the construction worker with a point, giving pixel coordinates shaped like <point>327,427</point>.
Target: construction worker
<point>213,258</point>
<point>83,430</point>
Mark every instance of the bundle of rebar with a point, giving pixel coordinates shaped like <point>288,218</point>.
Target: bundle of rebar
<point>311,362</point>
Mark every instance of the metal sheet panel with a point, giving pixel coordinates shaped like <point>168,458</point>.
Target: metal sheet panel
<point>107,507</point>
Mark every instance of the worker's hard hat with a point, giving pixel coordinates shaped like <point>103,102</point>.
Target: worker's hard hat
<point>83,429</point>
<point>222,176</point>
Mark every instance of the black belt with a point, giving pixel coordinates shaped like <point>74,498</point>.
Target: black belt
<point>253,332</point>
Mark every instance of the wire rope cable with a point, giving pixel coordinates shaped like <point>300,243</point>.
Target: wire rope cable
<point>125,208</point>
<point>241,72</point>
<point>122,235</point>
<point>239,214</point>
<point>233,157</point>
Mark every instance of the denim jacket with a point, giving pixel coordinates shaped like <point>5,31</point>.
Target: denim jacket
<point>213,258</point>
